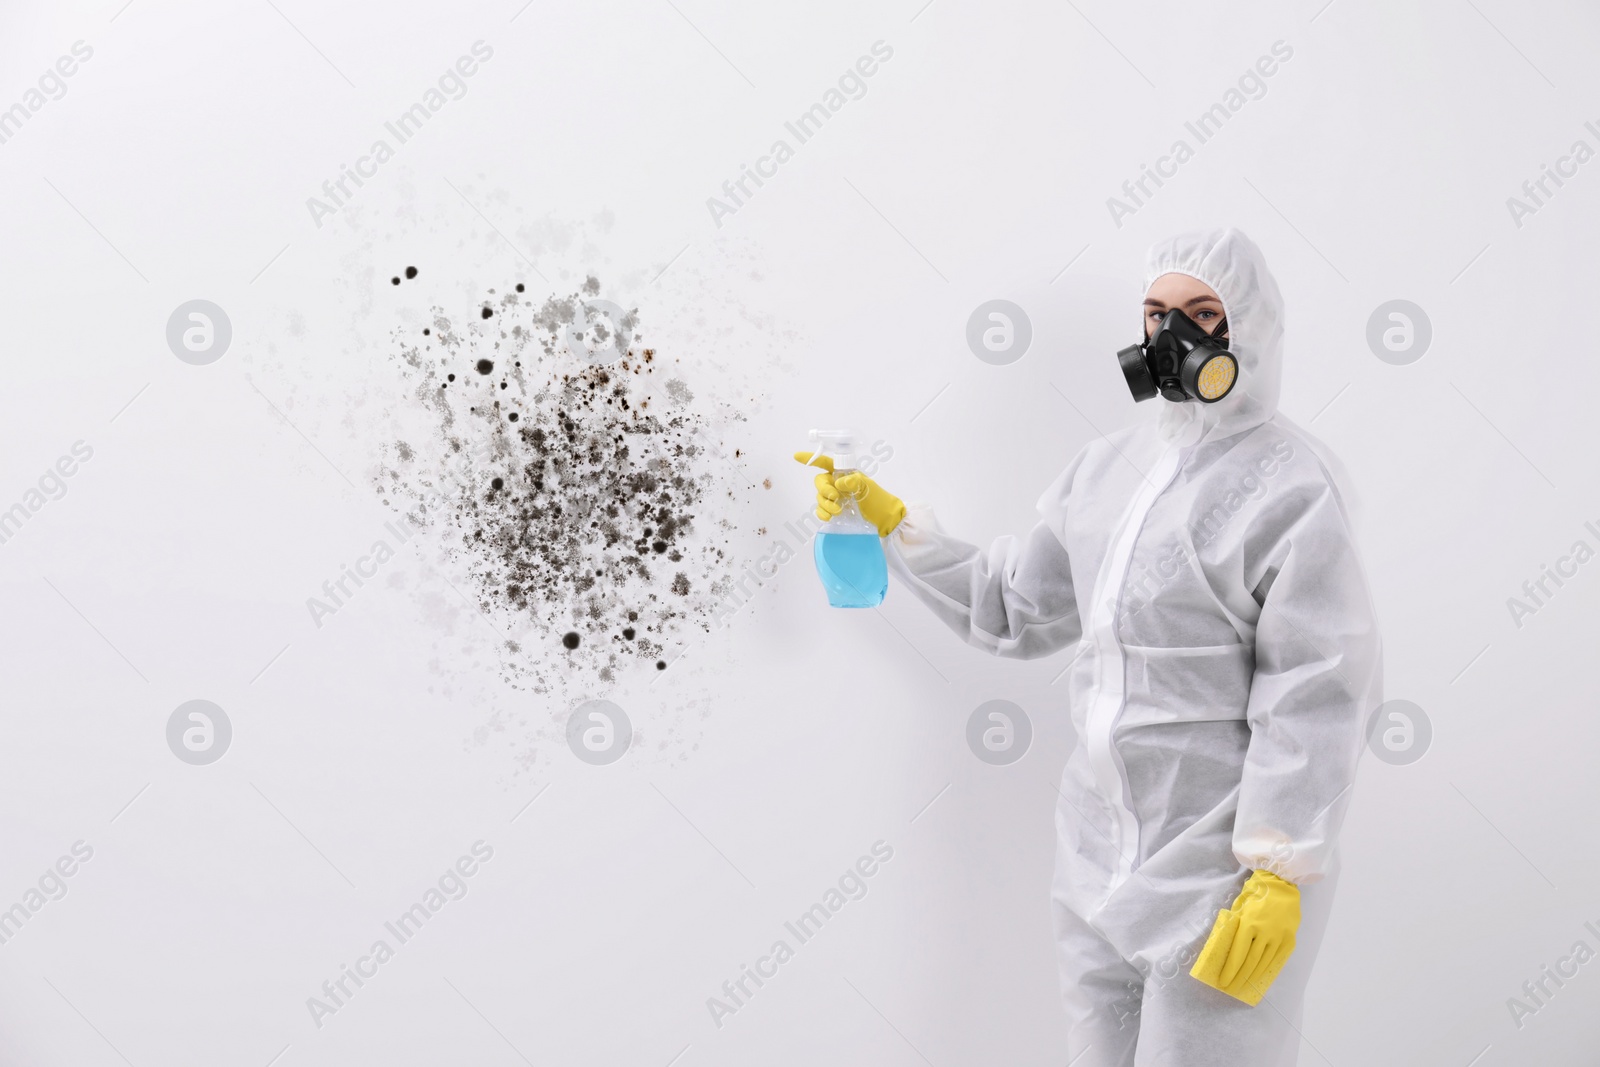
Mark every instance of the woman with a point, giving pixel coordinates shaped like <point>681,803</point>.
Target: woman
<point>1203,566</point>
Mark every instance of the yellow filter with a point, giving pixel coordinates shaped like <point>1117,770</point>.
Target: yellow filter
<point>1216,377</point>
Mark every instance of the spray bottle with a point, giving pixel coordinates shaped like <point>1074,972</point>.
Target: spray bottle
<point>848,552</point>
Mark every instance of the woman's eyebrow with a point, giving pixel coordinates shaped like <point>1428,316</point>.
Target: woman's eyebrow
<point>1192,301</point>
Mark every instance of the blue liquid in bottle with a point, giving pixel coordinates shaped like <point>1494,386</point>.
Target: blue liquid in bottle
<point>852,569</point>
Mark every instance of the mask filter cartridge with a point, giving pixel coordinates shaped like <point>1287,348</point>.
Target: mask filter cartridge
<point>1181,362</point>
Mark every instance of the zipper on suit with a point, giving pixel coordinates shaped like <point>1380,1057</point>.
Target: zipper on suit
<point>1110,683</point>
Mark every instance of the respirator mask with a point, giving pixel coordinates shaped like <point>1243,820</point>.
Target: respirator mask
<point>1181,362</point>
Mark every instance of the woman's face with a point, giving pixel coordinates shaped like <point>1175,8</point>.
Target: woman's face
<point>1190,295</point>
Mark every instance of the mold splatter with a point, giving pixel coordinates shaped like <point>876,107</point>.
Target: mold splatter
<point>589,503</point>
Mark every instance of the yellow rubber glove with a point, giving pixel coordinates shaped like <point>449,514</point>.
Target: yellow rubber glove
<point>878,506</point>
<point>1250,942</point>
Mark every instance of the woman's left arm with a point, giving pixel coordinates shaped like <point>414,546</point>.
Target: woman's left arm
<point>1318,674</point>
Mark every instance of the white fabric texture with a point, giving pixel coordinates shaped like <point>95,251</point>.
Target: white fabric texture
<point>1203,566</point>
<point>1120,1017</point>
<point>1230,262</point>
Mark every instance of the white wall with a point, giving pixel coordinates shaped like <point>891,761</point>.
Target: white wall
<point>370,753</point>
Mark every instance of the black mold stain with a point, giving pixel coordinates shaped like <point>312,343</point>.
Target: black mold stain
<point>592,509</point>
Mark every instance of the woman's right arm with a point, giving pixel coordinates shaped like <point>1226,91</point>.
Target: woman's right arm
<point>1014,599</point>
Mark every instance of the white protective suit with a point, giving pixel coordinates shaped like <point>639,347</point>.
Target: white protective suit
<point>1203,565</point>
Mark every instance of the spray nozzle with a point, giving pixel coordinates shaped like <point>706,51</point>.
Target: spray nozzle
<point>839,445</point>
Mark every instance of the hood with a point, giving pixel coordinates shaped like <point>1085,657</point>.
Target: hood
<point>1232,265</point>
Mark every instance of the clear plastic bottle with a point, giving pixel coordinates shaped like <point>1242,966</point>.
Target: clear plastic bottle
<point>847,550</point>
